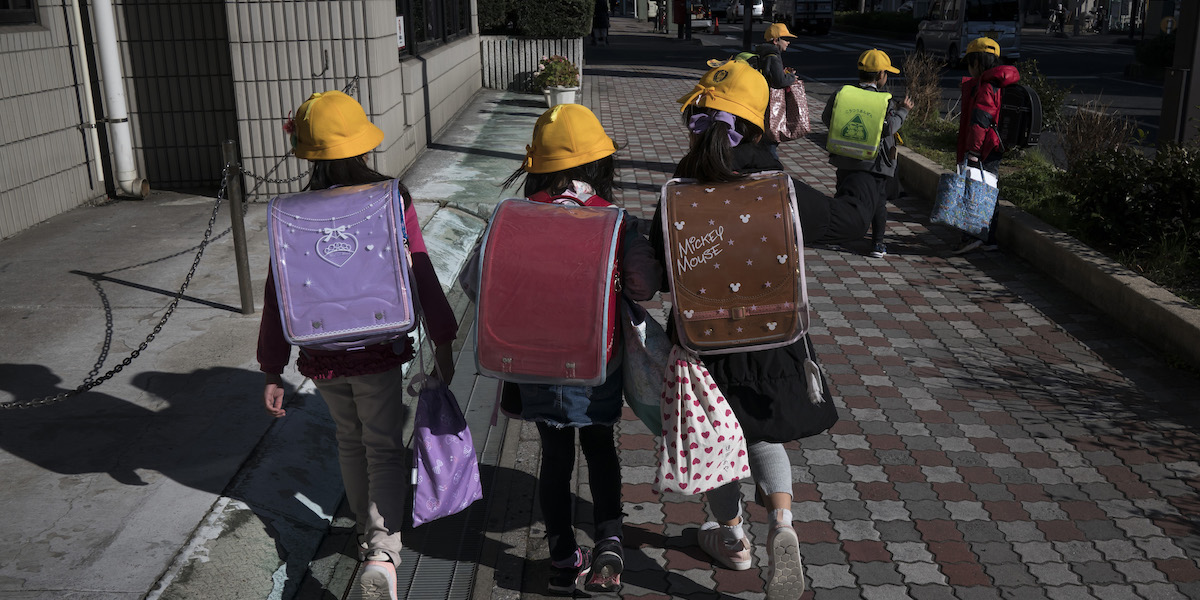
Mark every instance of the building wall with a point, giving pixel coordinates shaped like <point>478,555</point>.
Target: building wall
<point>282,51</point>
<point>179,88</point>
<point>198,72</point>
<point>43,152</point>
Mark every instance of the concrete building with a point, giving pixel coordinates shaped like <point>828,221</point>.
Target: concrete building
<point>193,73</point>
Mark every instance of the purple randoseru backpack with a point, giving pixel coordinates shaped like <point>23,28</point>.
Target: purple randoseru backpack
<point>341,266</point>
<point>445,469</point>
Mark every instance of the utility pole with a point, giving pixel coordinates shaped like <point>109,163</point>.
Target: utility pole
<point>1181,87</point>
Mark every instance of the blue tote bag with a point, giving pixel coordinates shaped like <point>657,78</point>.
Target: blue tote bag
<point>966,200</point>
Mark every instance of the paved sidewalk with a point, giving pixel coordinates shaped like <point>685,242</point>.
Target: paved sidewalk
<point>999,438</point>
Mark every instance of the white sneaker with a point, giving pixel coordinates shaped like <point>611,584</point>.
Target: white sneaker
<point>376,580</point>
<point>734,555</point>
<point>785,571</point>
<point>967,247</point>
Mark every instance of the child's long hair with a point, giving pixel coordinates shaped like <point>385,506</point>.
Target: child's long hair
<point>348,171</point>
<point>710,157</point>
<point>599,174</point>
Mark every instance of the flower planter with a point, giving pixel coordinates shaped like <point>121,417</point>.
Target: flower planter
<point>509,62</point>
<point>556,95</point>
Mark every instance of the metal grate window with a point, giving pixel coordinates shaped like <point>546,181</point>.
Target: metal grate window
<point>18,12</point>
<point>426,24</point>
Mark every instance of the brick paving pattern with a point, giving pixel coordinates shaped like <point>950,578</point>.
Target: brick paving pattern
<point>998,437</point>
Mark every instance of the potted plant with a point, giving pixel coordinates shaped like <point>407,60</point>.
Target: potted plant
<point>558,78</point>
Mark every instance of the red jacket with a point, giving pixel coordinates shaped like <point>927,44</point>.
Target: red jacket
<point>981,110</point>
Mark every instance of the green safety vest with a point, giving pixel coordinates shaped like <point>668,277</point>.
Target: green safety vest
<point>856,125</point>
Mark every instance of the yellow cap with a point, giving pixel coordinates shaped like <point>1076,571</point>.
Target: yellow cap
<point>566,136</point>
<point>874,61</point>
<point>734,87</point>
<point>332,125</point>
<point>777,30</point>
<point>984,44</point>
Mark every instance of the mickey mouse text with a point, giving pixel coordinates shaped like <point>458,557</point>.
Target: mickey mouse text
<point>697,250</point>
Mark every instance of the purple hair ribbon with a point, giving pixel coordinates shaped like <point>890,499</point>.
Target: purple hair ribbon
<point>700,122</point>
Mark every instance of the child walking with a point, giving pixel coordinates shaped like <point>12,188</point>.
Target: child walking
<point>862,182</point>
<point>724,114</point>
<point>570,161</point>
<point>364,387</point>
<point>978,141</point>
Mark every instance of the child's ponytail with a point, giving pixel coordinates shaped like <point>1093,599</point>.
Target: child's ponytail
<point>715,133</point>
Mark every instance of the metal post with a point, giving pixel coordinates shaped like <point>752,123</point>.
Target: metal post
<point>233,189</point>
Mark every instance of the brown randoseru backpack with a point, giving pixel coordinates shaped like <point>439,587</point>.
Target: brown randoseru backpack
<point>1020,122</point>
<point>735,261</point>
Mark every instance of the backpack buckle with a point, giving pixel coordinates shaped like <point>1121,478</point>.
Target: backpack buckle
<point>738,312</point>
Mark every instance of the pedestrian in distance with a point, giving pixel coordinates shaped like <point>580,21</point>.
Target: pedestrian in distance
<point>363,388</point>
<point>978,141</point>
<point>600,23</point>
<point>724,116</point>
<point>770,64</point>
<point>570,161</point>
<point>864,170</point>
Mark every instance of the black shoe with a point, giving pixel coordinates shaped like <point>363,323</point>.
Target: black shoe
<point>606,567</point>
<point>563,580</point>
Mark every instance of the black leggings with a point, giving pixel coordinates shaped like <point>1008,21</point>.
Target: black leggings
<point>859,205</point>
<point>604,477</point>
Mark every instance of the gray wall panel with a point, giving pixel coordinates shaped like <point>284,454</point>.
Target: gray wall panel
<point>39,115</point>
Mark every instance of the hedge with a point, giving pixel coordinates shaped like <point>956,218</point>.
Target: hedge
<point>536,18</point>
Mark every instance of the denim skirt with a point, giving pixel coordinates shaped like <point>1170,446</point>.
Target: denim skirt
<point>573,406</point>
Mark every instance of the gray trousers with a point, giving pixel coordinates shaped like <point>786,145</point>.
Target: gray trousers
<point>370,415</point>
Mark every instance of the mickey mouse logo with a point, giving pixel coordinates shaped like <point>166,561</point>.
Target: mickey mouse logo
<point>772,325</point>
<point>782,258</point>
<point>744,218</point>
<point>679,225</point>
<point>710,190</point>
<point>735,286</point>
<point>689,313</point>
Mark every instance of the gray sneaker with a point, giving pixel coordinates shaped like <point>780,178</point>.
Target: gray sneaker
<point>785,572</point>
<point>734,555</point>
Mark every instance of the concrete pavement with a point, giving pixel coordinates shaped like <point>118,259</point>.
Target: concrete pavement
<point>999,438</point>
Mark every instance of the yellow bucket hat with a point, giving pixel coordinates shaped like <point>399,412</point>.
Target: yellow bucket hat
<point>566,136</point>
<point>984,44</point>
<point>874,61</point>
<point>734,87</point>
<point>777,30</point>
<point>331,125</point>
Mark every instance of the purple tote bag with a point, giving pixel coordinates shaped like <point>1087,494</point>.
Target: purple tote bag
<point>444,463</point>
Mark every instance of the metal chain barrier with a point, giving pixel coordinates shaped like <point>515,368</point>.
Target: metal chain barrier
<point>91,382</point>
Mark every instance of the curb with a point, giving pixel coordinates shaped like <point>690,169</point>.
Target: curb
<point>1163,320</point>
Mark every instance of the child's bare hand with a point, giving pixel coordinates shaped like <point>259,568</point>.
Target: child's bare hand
<point>908,103</point>
<point>273,396</point>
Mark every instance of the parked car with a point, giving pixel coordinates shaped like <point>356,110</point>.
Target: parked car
<point>738,9</point>
<point>951,24</point>
<point>719,8</point>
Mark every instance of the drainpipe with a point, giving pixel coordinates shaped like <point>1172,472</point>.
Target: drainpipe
<point>81,56</point>
<point>128,181</point>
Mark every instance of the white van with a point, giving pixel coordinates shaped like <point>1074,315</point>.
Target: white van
<point>951,24</point>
